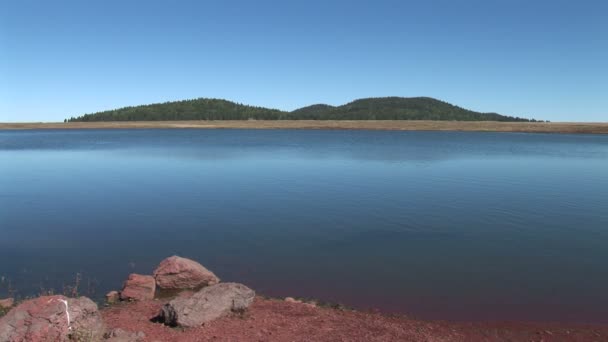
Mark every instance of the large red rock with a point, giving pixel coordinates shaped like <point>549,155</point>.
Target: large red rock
<point>138,287</point>
<point>176,273</point>
<point>53,318</point>
<point>208,304</point>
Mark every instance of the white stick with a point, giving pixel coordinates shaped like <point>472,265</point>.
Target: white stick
<point>67,312</point>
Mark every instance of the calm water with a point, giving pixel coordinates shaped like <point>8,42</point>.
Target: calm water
<point>435,224</point>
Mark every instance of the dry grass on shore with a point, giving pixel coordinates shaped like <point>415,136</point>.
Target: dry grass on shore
<point>400,125</point>
<point>278,320</point>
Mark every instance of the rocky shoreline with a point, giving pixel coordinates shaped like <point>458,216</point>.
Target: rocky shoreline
<point>184,301</point>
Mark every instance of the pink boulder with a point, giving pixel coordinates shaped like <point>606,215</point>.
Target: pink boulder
<point>138,287</point>
<point>208,304</point>
<point>176,273</point>
<point>53,318</point>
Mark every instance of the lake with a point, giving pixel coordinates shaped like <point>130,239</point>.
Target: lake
<point>437,225</point>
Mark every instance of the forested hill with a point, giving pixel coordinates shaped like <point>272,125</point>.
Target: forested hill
<point>387,108</point>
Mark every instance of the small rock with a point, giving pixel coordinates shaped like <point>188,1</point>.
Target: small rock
<point>175,273</point>
<point>119,335</point>
<point>112,297</point>
<point>7,303</point>
<point>138,287</point>
<point>46,319</point>
<point>293,300</point>
<point>208,304</point>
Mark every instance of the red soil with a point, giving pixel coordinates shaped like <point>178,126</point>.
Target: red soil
<point>276,320</point>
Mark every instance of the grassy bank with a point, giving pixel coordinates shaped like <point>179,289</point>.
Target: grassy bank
<point>398,125</point>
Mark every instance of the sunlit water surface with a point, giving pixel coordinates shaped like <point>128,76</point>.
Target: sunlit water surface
<point>439,225</point>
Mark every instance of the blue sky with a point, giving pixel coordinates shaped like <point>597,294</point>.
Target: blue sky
<point>541,59</point>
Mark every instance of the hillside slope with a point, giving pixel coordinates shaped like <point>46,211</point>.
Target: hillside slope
<point>386,108</point>
<point>397,108</point>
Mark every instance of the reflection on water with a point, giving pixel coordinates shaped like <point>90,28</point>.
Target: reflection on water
<point>436,224</point>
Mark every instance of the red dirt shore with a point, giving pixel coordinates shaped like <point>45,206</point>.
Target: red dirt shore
<point>277,320</point>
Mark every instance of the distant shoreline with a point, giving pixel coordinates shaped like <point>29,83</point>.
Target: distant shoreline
<point>393,125</point>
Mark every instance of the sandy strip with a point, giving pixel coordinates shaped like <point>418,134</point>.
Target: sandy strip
<point>400,125</point>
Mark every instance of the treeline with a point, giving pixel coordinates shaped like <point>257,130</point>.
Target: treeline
<point>198,109</point>
<point>388,108</point>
